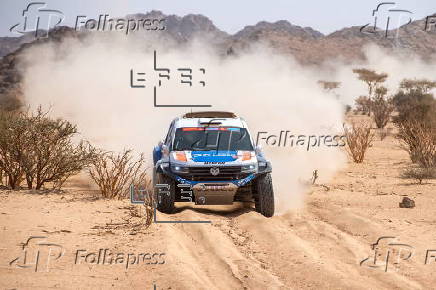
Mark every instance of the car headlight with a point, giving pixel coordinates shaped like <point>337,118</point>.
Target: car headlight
<point>262,164</point>
<point>248,168</point>
<point>179,169</point>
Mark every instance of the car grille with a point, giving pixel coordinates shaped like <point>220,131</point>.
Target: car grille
<point>225,173</point>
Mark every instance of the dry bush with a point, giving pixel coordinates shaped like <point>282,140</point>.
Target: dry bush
<point>359,138</point>
<point>40,149</point>
<point>149,204</point>
<point>53,156</point>
<point>115,172</point>
<point>382,107</point>
<point>419,173</point>
<point>142,187</point>
<point>13,144</point>
<point>363,105</point>
<point>419,139</point>
<point>416,120</point>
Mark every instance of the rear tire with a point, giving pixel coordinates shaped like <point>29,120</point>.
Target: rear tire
<point>264,200</point>
<point>164,197</point>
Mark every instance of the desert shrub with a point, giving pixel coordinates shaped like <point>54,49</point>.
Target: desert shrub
<point>39,149</point>
<point>146,185</point>
<point>419,140</point>
<point>382,107</point>
<point>414,105</point>
<point>419,173</point>
<point>13,145</point>
<point>53,156</point>
<point>359,138</point>
<point>416,120</point>
<point>363,105</point>
<point>115,172</point>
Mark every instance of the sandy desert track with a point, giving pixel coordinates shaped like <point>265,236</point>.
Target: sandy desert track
<point>320,246</point>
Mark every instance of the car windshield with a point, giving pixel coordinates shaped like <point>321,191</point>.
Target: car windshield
<point>212,138</point>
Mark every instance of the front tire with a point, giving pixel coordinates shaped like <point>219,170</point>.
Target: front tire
<point>264,200</point>
<point>164,196</point>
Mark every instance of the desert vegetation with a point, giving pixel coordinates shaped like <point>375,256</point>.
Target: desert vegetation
<point>39,149</point>
<point>376,102</point>
<point>36,150</point>
<point>359,139</point>
<point>415,120</point>
<point>416,123</point>
<point>115,172</point>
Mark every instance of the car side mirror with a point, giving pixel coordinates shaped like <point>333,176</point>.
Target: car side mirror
<point>258,149</point>
<point>165,150</point>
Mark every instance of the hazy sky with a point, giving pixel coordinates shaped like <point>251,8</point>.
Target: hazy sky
<point>228,15</point>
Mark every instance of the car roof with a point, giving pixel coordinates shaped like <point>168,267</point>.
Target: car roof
<point>211,118</point>
<point>210,114</point>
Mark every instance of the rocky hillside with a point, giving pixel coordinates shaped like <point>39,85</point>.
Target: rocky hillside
<point>306,44</point>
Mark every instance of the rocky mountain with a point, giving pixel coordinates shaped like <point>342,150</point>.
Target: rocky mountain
<point>10,44</point>
<point>184,28</point>
<point>310,46</point>
<point>279,27</point>
<point>304,43</point>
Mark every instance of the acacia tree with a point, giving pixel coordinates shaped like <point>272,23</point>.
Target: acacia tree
<point>422,86</point>
<point>373,80</point>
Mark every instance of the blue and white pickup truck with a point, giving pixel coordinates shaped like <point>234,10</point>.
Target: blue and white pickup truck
<point>210,158</point>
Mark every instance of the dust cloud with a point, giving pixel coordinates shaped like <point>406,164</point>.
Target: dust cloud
<point>87,81</point>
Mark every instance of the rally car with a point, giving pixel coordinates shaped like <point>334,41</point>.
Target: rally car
<point>209,158</point>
